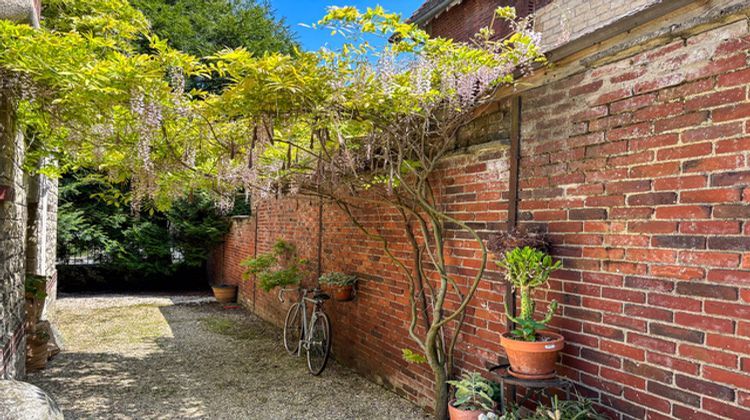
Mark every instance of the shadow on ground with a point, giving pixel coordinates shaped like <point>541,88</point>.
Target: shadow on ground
<point>147,358</point>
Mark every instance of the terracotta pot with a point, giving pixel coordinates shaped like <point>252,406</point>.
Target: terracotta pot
<point>36,353</point>
<point>225,293</point>
<point>533,359</point>
<point>458,414</point>
<point>342,293</point>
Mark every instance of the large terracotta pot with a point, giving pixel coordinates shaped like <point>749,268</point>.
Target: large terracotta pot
<point>457,414</point>
<point>533,359</point>
<point>342,293</point>
<point>225,293</point>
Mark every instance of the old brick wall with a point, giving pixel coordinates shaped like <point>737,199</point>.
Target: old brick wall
<point>560,22</point>
<point>371,332</point>
<point>639,173</point>
<point>12,244</point>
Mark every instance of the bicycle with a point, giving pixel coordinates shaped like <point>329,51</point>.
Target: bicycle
<point>313,336</point>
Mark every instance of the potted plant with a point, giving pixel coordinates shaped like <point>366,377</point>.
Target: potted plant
<point>35,292</point>
<point>340,285</point>
<point>472,397</point>
<point>224,293</point>
<point>532,350</point>
<point>579,408</point>
<point>278,268</point>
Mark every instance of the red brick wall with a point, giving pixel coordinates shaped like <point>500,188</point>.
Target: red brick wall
<point>371,331</point>
<point>639,173</point>
<point>464,20</point>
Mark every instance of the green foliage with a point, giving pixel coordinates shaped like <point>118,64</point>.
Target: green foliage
<point>338,279</point>
<point>473,392</point>
<point>203,27</point>
<point>92,221</point>
<point>526,269</point>
<point>278,268</point>
<point>578,409</point>
<point>413,357</point>
<point>36,287</point>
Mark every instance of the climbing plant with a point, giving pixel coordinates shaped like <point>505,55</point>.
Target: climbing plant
<point>366,125</point>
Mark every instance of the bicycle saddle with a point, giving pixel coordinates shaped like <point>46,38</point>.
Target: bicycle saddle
<point>321,295</point>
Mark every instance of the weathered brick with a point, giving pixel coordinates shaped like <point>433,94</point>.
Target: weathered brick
<point>705,388</point>
<point>731,112</point>
<point>678,272</point>
<point>677,333</point>
<point>650,343</point>
<point>647,283</point>
<point>715,99</point>
<point>709,355</point>
<point>729,276</point>
<point>715,227</point>
<point>587,88</point>
<point>737,243</point>
<point>625,350</point>
<point>709,258</point>
<point>732,211</point>
<point>652,199</point>
<point>725,410</point>
<point>707,290</point>
<point>704,323</point>
<point>682,121</point>
<point>693,150</point>
<point>679,241</point>
<point>714,164</point>
<point>711,132</point>
<point>674,394</point>
<point>588,214</point>
<point>733,310</point>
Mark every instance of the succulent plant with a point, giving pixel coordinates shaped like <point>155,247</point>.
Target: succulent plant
<point>526,269</point>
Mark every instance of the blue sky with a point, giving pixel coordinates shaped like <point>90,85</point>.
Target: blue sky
<point>310,11</point>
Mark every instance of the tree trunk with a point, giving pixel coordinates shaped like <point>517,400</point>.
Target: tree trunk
<point>441,395</point>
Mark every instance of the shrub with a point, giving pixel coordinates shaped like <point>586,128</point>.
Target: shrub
<point>278,268</point>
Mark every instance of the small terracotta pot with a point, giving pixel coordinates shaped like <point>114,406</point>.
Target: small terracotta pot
<point>342,293</point>
<point>533,359</point>
<point>458,414</point>
<point>225,293</point>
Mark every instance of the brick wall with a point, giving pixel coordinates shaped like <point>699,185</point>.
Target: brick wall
<point>564,21</point>
<point>464,19</point>
<point>12,244</point>
<point>639,172</point>
<point>370,332</point>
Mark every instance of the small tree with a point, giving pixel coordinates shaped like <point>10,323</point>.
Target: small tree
<point>373,134</point>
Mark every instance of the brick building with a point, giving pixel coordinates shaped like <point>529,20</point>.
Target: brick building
<point>634,160</point>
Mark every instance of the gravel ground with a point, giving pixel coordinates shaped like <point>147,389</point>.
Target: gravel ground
<point>183,357</point>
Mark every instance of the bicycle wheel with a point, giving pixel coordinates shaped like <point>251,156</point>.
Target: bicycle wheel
<point>319,345</point>
<point>293,330</point>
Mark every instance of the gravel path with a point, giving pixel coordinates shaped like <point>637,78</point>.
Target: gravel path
<point>183,357</point>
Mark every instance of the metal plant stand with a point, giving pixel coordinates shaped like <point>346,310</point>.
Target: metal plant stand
<point>534,387</point>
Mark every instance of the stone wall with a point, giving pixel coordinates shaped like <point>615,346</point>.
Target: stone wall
<point>12,243</point>
<point>41,244</point>
<point>638,170</point>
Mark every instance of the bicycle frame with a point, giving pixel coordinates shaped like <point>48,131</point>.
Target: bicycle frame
<point>303,299</point>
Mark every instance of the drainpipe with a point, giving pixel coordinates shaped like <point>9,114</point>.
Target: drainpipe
<point>513,200</point>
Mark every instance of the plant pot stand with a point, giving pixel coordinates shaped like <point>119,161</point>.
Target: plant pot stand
<point>534,387</point>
